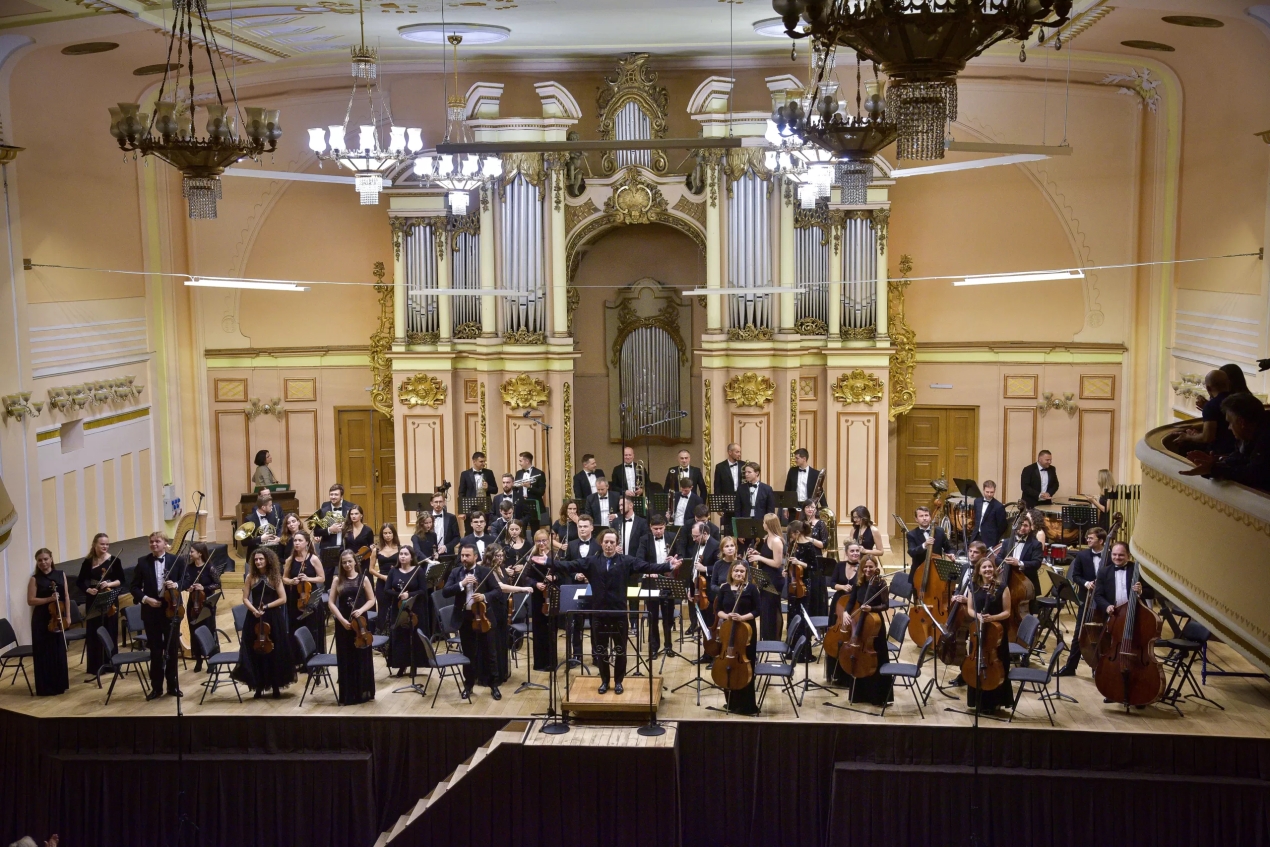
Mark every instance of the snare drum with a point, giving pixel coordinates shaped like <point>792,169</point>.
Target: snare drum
<point>1056,552</point>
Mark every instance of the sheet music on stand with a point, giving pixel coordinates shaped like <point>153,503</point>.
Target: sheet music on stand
<point>468,505</point>
<point>760,579</point>
<point>1079,516</point>
<point>403,614</point>
<point>786,499</point>
<point>748,528</point>
<point>101,602</point>
<point>721,503</point>
<point>660,502</point>
<point>668,587</point>
<point>439,571</point>
<point>948,568</point>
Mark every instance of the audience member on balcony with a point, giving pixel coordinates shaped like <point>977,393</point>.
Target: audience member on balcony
<point>1213,434</point>
<point>1249,463</point>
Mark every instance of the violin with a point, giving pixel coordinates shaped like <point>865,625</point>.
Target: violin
<point>173,608</point>
<point>1092,621</point>
<point>412,617</point>
<point>480,620</point>
<point>859,657</point>
<point>304,588</point>
<point>362,636</point>
<point>104,567</point>
<point>1128,670</point>
<point>263,644</point>
<point>732,669</point>
<point>797,584</point>
<point>57,622</point>
<point>198,594</point>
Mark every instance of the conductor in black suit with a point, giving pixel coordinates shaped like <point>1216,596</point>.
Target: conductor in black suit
<point>1039,482</point>
<point>685,468</point>
<point>925,540</point>
<point>1083,575</point>
<point>529,492</point>
<point>155,572</point>
<point>478,480</point>
<point>990,520</point>
<point>755,498</point>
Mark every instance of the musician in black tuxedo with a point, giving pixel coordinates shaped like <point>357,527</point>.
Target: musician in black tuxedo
<point>991,523</point>
<point>802,478</point>
<point>925,539</point>
<point>579,550</point>
<point>683,504</point>
<point>702,515</point>
<point>266,514</point>
<point>333,535</point>
<point>498,527</point>
<point>685,468</point>
<point>445,526</point>
<point>1023,551</point>
<point>156,571</point>
<point>701,551</point>
<point>471,479</point>
<point>755,497</point>
<point>662,610</point>
<point>586,481</point>
<point>603,505</point>
<point>1112,587</point>
<point>632,530</point>
<point>626,476</point>
<point>506,494</point>
<point>1083,575</point>
<point>729,476</point>
<point>1039,482</point>
<point>477,646</point>
<point>608,573</point>
<point>477,536</point>
<point>530,489</point>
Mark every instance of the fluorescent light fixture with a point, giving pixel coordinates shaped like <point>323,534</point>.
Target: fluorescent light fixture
<point>537,293</point>
<point>717,292</point>
<point>968,165</point>
<point>254,284</point>
<point>1038,276</point>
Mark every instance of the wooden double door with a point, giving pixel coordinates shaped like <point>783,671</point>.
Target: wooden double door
<point>934,441</point>
<point>365,450</point>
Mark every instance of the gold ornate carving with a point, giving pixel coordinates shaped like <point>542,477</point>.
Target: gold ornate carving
<point>567,411</point>
<point>793,420</point>
<point>749,389</point>
<point>595,226</point>
<point>857,386</point>
<point>525,392</point>
<point>632,82</point>
<point>469,224</point>
<point>904,360</point>
<point>524,336</point>
<point>881,223</point>
<point>423,337</point>
<point>484,436</point>
<point>814,218</point>
<point>576,213</point>
<point>737,162</point>
<point>1251,521</point>
<point>707,458</point>
<point>695,210</point>
<point>468,330</point>
<point>573,298</point>
<point>471,390</point>
<point>484,198</point>
<point>750,333</point>
<point>421,390</point>
<point>712,160</point>
<point>857,333</point>
<point>635,200</point>
<point>628,320</point>
<point>837,219</point>
<point>811,326</point>
<point>554,163</point>
<point>380,344</point>
<point>401,225</point>
<point>528,165</point>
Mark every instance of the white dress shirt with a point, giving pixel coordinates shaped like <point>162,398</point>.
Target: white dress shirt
<point>584,548</point>
<point>604,511</point>
<point>629,471</point>
<point>983,510</point>
<point>1122,585</point>
<point>438,527</point>
<point>681,509</point>
<point>802,484</point>
<point>659,548</point>
<point>734,468</point>
<point>590,478</point>
<point>1045,478</point>
<point>625,530</point>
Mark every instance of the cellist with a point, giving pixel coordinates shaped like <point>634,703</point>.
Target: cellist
<point>843,584</point>
<point>989,602</point>
<point>737,600</point>
<point>869,595</point>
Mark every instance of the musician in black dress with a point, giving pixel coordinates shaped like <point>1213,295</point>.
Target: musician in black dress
<point>265,597</point>
<point>303,566</point>
<point>817,534</point>
<point>738,600</point>
<point>46,593</point>
<point>200,572</point>
<point>291,524</point>
<point>565,529</point>
<point>869,594</point>
<point>385,559</point>
<point>357,536</point>
<point>352,597</point>
<point>156,572</point>
<point>728,556</point>
<point>406,584</point>
<point>769,556</point>
<point>801,553</point>
<point>100,572</point>
<point>424,540</point>
<point>468,584</point>
<point>543,620</point>
<point>989,601</point>
<point>864,533</point>
<point>497,603</point>
<point>843,583</point>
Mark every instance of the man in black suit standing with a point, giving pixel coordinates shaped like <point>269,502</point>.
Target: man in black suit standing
<point>1023,551</point>
<point>1083,575</point>
<point>801,478</point>
<point>155,572</point>
<point>685,468</point>
<point>1039,482</point>
<point>507,492</point>
<point>925,540</point>
<point>662,610</point>
<point>701,552</point>
<point>990,521</point>
<point>683,503</point>
<point>729,476</point>
<point>333,535</point>
<point>466,584</point>
<point>444,525</point>
<point>625,479</point>
<point>586,481</point>
<point>580,549</point>
<point>267,516</point>
<point>755,497</point>
<point>478,480</point>
<point>603,505</point>
<point>632,530</point>
<point>530,488</point>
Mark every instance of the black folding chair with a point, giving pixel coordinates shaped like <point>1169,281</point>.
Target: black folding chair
<point>134,627</point>
<point>217,664</point>
<point>908,675</point>
<point>1021,647</point>
<point>1038,681</point>
<point>16,657</point>
<point>445,664</point>
<point>239,613</point>
<point>316,665</point>
<point>782,670</point>
<point>119,664</point>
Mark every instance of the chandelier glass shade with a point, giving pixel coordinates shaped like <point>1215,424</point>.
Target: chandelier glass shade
<point>921,45</point>
<point>170,133</point>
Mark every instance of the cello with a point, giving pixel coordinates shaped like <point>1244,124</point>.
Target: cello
<point>857,657</point>
<point>1022,591</point>
<point>1092,621</point>
<point>839,633</point>
<point>1128,670</point>
<point>982,668</point>
<point>731,669</point>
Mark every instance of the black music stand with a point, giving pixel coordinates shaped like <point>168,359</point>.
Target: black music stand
<point>761,581</point>
<point>949,571</point>
<point>468,505</point>
<point>666,587</point>
<point>748,528</point>
<point>702,634</point>
<point>723,504</point>
<point>786,500</point>
<point>1080,517</point>
<point>571,598</point>
<point>659,501</point>
<point>417,503</point>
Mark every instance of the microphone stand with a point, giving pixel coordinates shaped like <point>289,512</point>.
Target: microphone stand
<point>173,630</point>
<point>553,725</point>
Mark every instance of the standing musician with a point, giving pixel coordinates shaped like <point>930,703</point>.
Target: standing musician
<point>291,524</point>
<point>602,506</point>
<point>863,533</point>
<point>579,551</point>
<point>729,555</point>
<point>925,540</point>
<point>990,520</point>
<point>738,600</point>
<point>333,513</point>
<point>387,547</point>
<point>46,594</point>
<point>683,503</point>
<point>1083,574</point>
<point>632,530</point>
<point>729,476</point>
<point>702,550</point>
<point>565,529</point>
<point>1039,482</point>
<point>264,595</point>
<point>755,498</point>
<point>99,572</point>
<point>657,550</point>
<point>497,603</point>
<point>469,584</point>
<point>477,536</point>
<point>352,597</point>
<point>445,526</point>
<point>683,469</point>
<point>267,516</point>
<point>1023,551</point>
<point>544,580</point>
<point>424,540</point>
<point>478,480</point>
<point>507,494</point>
<point>358,536</point>
<point>406,582</point>
<point>843,582</point>
<point>989,602</point>
<point>802,478</point>
<point>586,481</point>
<point>530,487</point>
<point>304,567</point>
<point>816,533</point>
<point>1112,588</point>
<point>608,574</point>
<point>628,477</point>
<point>769,554</point>
<point>155,572</point>
<point>801,552</point>
<point>201,578</point>
<point>701,514</point>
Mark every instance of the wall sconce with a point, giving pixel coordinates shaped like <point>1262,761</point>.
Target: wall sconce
<point>70,398</point>
<point>273,407</point>
<point>19,406</point>
<point>1190,389</point>
<point>1067,404</point>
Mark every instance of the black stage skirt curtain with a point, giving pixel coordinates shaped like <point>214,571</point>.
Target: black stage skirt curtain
<point>529,796</point>
<point>249,780</point>
<point>773,783</point>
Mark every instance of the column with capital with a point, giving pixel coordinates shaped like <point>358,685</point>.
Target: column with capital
<point>714,240</point>
<point>559,270</point>
<point>881,223</point>
<point>445,308</point>
<point>837,219</point>
<point>787,280</point>
<point>489,312</point>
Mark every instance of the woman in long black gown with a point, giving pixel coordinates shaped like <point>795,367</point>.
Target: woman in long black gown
<point>265,597</point>
<point>352,597</point>
<point>291,525</point>
<point>738,600</point>
<point>864,533</point>
<point>46,593</point>
<point>542,577</point>
<point>843,584</point>
<point>565,529</point>
<point>817,534</point>
<point>494,559</point>
<point>405,582</point>
<point>869,594</point>
<point>770,557</point>
<point>989,601</point>
<point>99,572</point>
<point>424,540</point>
<point>516,550</point>
<point>385,559</point>
<point>802,551</point>
<point>304,566</point>
<point>358,536</point>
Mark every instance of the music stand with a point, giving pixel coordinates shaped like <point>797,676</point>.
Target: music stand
<point>1080,517</point>
<point>468,505</point>
<point>702,634</point>
<point>748,528</point>
<point>571,598</point>
<point>723,504</point>
<point>786,499</point>
<point>669,588</point>
<point>416,503</point>
<point>761,581</point>
<point>101,602</point>
<point>440,569</point>
<point>949,571</point>
<point>660,501</point>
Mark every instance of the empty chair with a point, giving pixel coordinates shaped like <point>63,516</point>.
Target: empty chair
<point>782,670</point>
<point>1037,680</point>
<point>16,656</point>
<point>1183,651</point>
<point>217,664</point>
<point>445,664</point>
<point>445,625</point>
<point>76,632</point>
<point>133,626</point>
<point>119,663</point>
<point>901,590</point>
<point>908,675</point>
<point>316,665</point>
<point>240,620</point>
<point>782,646</point>
<point>1021,647</point>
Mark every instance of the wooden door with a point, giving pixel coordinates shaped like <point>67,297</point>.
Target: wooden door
<point>934,441</point>
<point>364,450</point>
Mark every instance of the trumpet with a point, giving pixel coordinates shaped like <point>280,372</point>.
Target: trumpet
<point>527,481</point>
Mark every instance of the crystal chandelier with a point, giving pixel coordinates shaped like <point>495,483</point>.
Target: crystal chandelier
<point>169,133</point>
<point>458,174</point>
<point>921,45</point>
<point>370,160</point>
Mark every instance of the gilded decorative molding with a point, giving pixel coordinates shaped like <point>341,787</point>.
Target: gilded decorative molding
<point>793,420</point>
<point>484,197</point>
<point>628,320</point>
<point>573,298</point>
<point>423,337</point>
<point>635,200</point>
<point>811,326</point>
<point>468,330</point>
<point>695,210</point>
<point>737,161</point>
<point>554,163</point>
<point>749,389</point>
<point>713,160</point>
<point>904,359</point>
<point>1251,521</point>
<point>421,390</point>
<point>380,344</point>
<point>525,392</point>
<point>706,455</point>
<point>750,333</point>
<point>837,219</point>
<point>857,333</point>
<point>524,336</point>
<point>881,223</point>
<point>594,226</point>
<point>857,386</point>
<point>484,435</point>
<point>401,225</point>
<point>528,165</point>
<point>567,411</point>
<point>469,224</point>
<point>813,218</point>
<point>576,213</point>
<point>632,82</point>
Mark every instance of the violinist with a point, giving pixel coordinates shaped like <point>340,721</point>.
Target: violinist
<point>925,540</point>
<point>516,549</point>
<point>702,550</point>
<point>99,572</point>
<point>156,572</point>
<point>816,533</point>
<point>352,597</point>
<point>770,556</point>
<point>358,536</point>
<point>802,553</point>
<point>496,605</point>
<point>1082,574</point>
<point>869,595</point>
<point>406,581</point>
<point>471,585</point>
<point>1023,551</point>
<point>198,572</point>
<point>989,602</point>
<point>291,524</point>
<point>303,568</point>
<point>843,583</point>
<point>45,592</point>
<point>738,600</point>
<point>381,564</point>
<point>544,624</point>
<point>265,597</point>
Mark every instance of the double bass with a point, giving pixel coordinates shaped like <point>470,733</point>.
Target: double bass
<point>1128,671</point>
<point>1022,591</point>
<point>984,650</point>
<point>1092,621</point>
<point>932,595</point>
